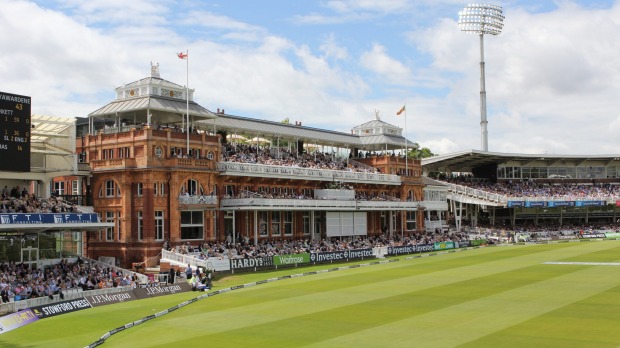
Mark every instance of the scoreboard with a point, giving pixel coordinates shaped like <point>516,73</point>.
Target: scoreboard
<point>15,128</point>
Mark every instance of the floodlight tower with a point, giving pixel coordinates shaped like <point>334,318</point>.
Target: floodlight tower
<point>482,19</point>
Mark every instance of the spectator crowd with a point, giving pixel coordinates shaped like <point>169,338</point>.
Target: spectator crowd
<point>19,282</point>
<point>242,153</point>
<point>537,190</point>
<point>19,200</point>
<point>243,247</point>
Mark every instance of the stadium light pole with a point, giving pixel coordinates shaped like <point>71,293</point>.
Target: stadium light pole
<point>482,19</point>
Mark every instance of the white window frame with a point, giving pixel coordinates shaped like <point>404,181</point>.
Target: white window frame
<point>159,225</point>
<point>140,217</point>
<point>109,217</point>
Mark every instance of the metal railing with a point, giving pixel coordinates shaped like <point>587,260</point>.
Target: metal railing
<point>319,204</point>
<point>199,199</point>
<point>184,259</point>
<point>250,169</point>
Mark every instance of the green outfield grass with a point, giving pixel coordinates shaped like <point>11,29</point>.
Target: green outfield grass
<point>489,297</point>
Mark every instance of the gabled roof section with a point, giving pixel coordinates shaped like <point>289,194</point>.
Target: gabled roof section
<point>252,127</point>
<point>153,103</point>
<point>374,123</point>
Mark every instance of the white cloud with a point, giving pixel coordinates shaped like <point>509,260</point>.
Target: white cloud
<point>385,6</point>
<point>378,61</point>
<point>551,79</point>
<point>332,49</point>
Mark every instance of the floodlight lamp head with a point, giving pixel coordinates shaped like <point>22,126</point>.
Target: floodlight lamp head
<point>481,19</point>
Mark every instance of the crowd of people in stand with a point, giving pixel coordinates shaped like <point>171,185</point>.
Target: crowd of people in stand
<point>19,200</point>
<point>554,229</point>
<point>20,282</point>
<point>534,190</point>
<point>243,247</point>
<point>242,153</point>
<point>290,194</point>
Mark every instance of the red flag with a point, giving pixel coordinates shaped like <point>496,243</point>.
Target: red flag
<point>182,55</point>
<point>401,111</point>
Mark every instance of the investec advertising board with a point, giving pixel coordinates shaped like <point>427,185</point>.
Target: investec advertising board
<point>296,259</point>
<point>410,249</point>
<point>340,255</point>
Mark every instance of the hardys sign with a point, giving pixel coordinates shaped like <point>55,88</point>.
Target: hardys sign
<point>257,262</point>
<point>341,255</point>
<point>63,307</point>
<point>410,249</point>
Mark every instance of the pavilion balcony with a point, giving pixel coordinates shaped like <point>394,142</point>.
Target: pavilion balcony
<point>198,200</point>
<point>316,204</point>
<point>260,170</point>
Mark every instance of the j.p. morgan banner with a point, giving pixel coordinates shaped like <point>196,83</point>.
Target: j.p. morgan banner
<point>106,299</point>
<point>162,290</point>
<point>343,255</point>
<point>52,309</point>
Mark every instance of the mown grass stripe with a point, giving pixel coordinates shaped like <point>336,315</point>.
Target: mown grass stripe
<point>475,319</point>
<point>267,310</point>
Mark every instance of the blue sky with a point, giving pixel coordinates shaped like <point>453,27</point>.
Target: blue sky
<point>552,75</point>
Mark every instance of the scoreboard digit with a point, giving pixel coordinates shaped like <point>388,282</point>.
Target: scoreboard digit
<point>15,131</point>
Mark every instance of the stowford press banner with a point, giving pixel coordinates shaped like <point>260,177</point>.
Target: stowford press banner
<point>341,255</point>
<point>18,319</point>
<point>251,263</point>
<point>52,309</point>
<point>154,291</point>
<point>292,259</point>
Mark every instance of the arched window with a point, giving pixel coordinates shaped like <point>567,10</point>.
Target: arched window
<point>109,189</point>
<point>192,187</point>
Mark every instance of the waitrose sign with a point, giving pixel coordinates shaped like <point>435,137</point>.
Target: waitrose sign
<point>291,259</point>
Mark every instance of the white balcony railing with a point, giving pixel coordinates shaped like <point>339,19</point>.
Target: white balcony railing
<point>503,199</point>
<point>249,169</point>
<point>316,204</point>
<point>200,199</point>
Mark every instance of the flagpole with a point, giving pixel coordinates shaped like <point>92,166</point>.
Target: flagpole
<point>406,145</point>
<point>187,99</point>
